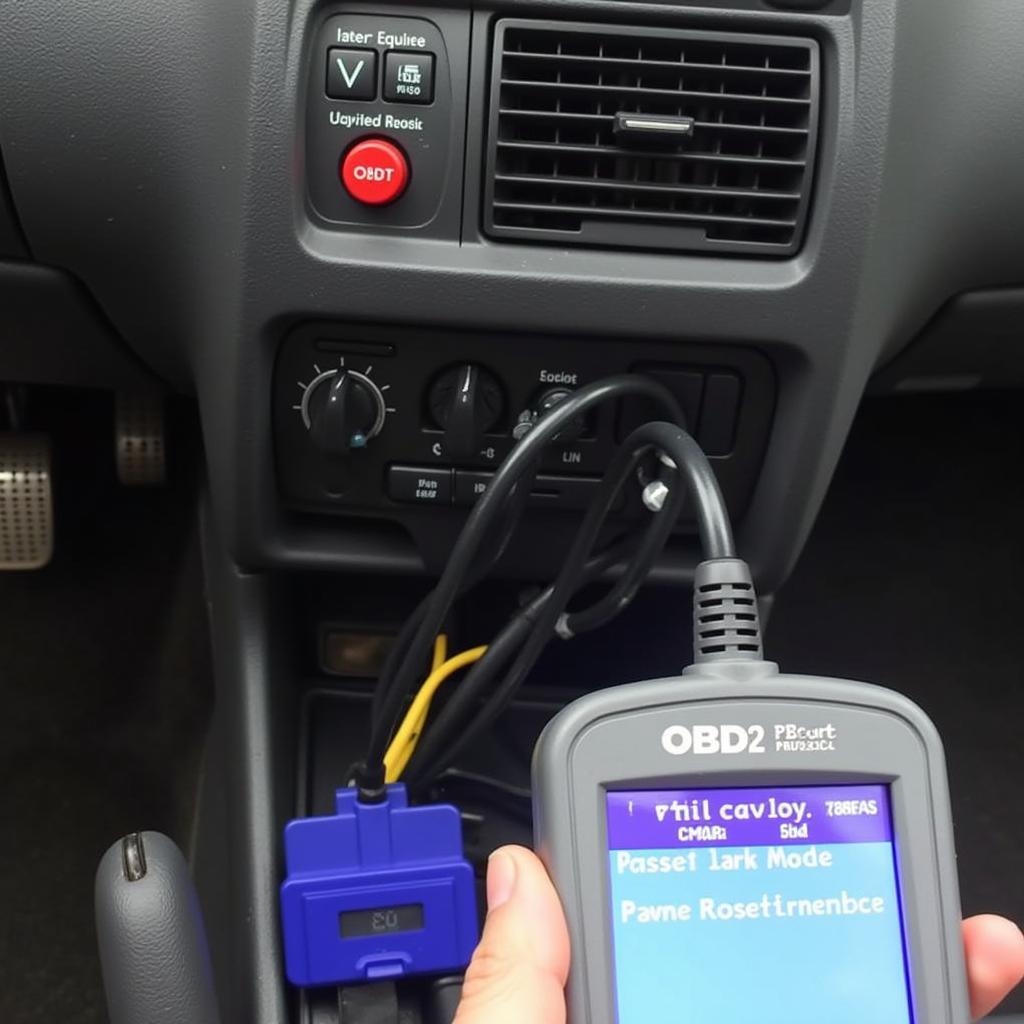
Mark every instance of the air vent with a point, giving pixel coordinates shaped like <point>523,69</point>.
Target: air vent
<point>726,165</point>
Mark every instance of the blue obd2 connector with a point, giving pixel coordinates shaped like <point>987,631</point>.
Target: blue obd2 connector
<point>376,891</point>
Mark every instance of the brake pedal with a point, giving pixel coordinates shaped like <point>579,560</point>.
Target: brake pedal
<point>139,440</point>
<point>26,502</point>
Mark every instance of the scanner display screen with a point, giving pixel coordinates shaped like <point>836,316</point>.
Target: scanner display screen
<point>357,924</point>
<point>778,905</point>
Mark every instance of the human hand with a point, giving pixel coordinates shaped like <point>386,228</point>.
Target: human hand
<point>519,969</point>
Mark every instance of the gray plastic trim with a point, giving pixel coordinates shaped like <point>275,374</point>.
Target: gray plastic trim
<point>12,240</point>
<point>52,333</point>
<point>247,792</point>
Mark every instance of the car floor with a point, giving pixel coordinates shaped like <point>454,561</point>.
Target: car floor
<point>105,690</point>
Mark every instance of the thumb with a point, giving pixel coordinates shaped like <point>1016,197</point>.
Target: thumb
<point>518,971</point>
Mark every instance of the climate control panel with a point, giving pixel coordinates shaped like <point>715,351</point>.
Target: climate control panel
<point>409,426</point>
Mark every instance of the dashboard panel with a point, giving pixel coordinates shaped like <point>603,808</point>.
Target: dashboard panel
<point>195,191</point>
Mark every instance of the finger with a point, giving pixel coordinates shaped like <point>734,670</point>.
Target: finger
<point>994,949</point>
<point>519,969</point>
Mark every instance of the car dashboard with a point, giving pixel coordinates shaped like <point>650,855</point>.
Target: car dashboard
<point>372,243</point>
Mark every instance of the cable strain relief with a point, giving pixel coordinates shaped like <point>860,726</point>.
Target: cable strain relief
<point>726,621</point>
<point>371,783</point>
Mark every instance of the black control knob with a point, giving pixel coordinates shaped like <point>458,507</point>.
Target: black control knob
<point>343,410</point>
<point>575,428</point>
<point>465,402</point>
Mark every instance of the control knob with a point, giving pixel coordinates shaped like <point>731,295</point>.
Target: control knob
<point>466,402</point>
<point>576,428</point>
<point>343,410</point>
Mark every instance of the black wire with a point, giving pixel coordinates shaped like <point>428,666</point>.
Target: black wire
<point>520,462</point>
<point>509,800</point>
<point>506,643</point>
<point>714,527</point>
<point>523,638</point>
<point>625,588</point>
<point>399,650</point>
<point>478,779</point>
<point>504,529</point>
<point>482,674</point>
<point>712,516</point>
<point>460,721</point>
<point>515,506</point>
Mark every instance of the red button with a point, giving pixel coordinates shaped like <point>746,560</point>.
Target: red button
<point>375,172</point>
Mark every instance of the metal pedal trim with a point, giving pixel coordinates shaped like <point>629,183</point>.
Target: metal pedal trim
<point>139,440</point>
<point>26,502</point>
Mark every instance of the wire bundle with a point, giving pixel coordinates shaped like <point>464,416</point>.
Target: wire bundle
<point>417,754</point>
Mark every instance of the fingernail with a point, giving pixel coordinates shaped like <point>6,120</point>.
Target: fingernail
<point>501,879</point>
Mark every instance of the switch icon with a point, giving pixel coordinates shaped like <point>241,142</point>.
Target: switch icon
<point>410,74</point>
<point>351,74</point>
<point>409,77</point>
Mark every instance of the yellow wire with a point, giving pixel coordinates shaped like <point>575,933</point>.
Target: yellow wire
<point>404,743</point>
<point>403,754</point>
<point>440,651</point>
<point>440,657</point>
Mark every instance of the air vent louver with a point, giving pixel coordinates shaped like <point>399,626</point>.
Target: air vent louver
<point>557,170</point>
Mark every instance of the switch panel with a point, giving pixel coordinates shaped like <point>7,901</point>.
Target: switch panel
<point>385,121</point>
<point>409,426</point>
